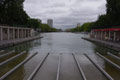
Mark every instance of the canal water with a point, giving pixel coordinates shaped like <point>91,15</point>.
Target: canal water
<point>65,43</point>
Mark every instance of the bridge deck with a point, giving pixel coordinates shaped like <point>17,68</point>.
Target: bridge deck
<point>54,67</point>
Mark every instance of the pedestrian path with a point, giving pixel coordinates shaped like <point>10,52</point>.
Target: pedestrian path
<point>109,44</point>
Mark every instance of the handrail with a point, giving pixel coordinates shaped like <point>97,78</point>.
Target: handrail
<point>109,61</point>
<point>37,68</point>
<point>100,68</point>
<point>13,51</point>
<point>118,58</point>
<point>2,51</point>
<point>10,59</point>
<point>16,67</point>
<point>58,70</point>
<point>79,67</point>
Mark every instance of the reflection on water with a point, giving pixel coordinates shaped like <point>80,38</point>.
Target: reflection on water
<point>103,50</point>
<point>7,57</point>
<point>5,68</point>
<point>19,75</point>
<point>65,43</point>
<point>108,68</point>
<point>27,46</point>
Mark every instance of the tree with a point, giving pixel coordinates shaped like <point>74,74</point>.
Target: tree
<point>47,28</point>
<point>12,12</point>
<point>86,27</point>
<point>34,23</point>
<point>113,10</point>
<point>112,18</point>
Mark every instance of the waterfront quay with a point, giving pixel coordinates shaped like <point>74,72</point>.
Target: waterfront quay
<point>11,33</point>
<point>109,34</point>
<point>107,37</point>
<point>108,44</point>
<point>10,36</point>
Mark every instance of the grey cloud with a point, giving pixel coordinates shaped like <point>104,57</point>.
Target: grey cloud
<point>57,5</point>
<point>65,13</point>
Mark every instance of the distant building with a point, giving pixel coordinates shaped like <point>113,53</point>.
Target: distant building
<point>78,24</point>
<point>50,22</point>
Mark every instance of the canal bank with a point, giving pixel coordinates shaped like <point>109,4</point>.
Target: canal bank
<point>8,43</point>
<point>10,36</point>
<point>56,64</point>
<point>108,44</point>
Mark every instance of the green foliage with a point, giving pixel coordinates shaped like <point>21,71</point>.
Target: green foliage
<point>86,27</point>
<point>34,23</point>
<point>112,18</point>
<point>46,28</point>
<point>103,21</point>
<point>12,13</point>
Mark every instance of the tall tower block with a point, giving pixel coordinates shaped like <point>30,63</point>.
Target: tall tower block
<point>50,22</point>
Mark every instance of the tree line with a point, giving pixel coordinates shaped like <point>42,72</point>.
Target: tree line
<point>37,25</point>
<point>13,14</point>
<point>109,20</point>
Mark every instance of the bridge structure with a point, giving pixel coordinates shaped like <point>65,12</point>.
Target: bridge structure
<point>61,66</point>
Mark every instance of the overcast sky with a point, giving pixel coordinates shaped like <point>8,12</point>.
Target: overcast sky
<point>65,13</point>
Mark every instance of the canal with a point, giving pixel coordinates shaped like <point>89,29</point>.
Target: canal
<point>55,44</point>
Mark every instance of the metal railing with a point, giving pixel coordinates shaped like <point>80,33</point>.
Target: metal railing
<point>79,67</point>
<point>16,67</point>
<point>100,68</point>
<point>37,68</point>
